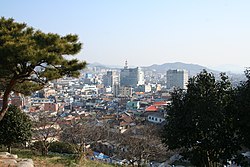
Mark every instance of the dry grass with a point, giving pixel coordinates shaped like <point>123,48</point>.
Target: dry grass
<point>62,162</point>
<point>56,160</point>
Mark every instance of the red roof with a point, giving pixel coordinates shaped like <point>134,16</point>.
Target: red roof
<point>124,123</point>
<point>126,118</point>
<point>159,103</point>
<point>152,108</point>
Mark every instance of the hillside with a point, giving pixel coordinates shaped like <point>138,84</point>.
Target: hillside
<point>28,157</point>
<point>192,68</point>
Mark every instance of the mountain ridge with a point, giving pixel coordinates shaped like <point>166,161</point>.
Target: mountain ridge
<point>193,69</point>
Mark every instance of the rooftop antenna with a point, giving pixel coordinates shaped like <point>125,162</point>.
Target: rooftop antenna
<point>126,65</point>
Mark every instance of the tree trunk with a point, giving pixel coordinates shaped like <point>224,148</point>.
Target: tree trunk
<point>206,160</point>
<point>9,149</point>
<point>6,98</point>
<point>45,149</point>
<point>80,152</point>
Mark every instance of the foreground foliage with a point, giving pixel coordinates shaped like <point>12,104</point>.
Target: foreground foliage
<point>15,128</point>
<point>242,103</point>
<point>30,58</point>
<point>201,124</point>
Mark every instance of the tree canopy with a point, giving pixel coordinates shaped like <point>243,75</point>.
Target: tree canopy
<point>30,58</point>
<point>242,101</point>
<point>15,127</point>
<point>200,121</point>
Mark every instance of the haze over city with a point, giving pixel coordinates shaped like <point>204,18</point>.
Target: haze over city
<point>210,33</point>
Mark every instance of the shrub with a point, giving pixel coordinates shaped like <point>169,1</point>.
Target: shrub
<point>61,147</point>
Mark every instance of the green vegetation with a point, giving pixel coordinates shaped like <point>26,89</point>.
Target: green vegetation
<point>31,58</point>
<point>242,111</point>
<point>15,128</point>
<point>61,147</point>
<point>206,122</point>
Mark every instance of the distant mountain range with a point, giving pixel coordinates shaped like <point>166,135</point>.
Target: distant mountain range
<point>193,69</point>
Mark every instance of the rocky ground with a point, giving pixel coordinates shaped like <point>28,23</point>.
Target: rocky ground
<point>11,160</point>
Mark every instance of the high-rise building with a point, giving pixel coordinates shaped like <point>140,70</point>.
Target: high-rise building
<point>110,79</point>
<point>131,76</point>
<point>177,79</point>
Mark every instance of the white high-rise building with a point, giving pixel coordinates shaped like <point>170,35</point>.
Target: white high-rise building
<point>177,79</point>
<point>141,80</point>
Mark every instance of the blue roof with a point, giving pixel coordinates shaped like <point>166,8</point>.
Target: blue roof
<point>100,155</point>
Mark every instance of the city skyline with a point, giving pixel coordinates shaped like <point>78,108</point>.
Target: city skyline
<point>209,33</point>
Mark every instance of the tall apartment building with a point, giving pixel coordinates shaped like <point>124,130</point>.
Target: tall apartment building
<point>131,76</point>
<point>177,79</point>
<point>110,79</point>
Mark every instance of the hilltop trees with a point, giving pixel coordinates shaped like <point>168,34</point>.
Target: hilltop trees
<point>200,121</point>
<point>242,101</point>
<point>15,128</point>
<point>31,58</point>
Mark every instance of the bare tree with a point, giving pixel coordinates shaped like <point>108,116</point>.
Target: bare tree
<point>141,144</point>
<point>80,134</point>
<point>46,130</point>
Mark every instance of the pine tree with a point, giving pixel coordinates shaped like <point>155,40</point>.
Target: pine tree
<point>15,127</point>
<point>30,58</point>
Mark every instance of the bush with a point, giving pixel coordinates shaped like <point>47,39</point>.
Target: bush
<point>61,147</point>
<point>37,145</point>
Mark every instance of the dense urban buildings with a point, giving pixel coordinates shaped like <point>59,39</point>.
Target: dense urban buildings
<point>117,99</point>
<point>113,101</point>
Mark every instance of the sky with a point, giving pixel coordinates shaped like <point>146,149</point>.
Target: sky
<point>212,33</point>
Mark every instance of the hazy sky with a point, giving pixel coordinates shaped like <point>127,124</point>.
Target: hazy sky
<point>145,32</point>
